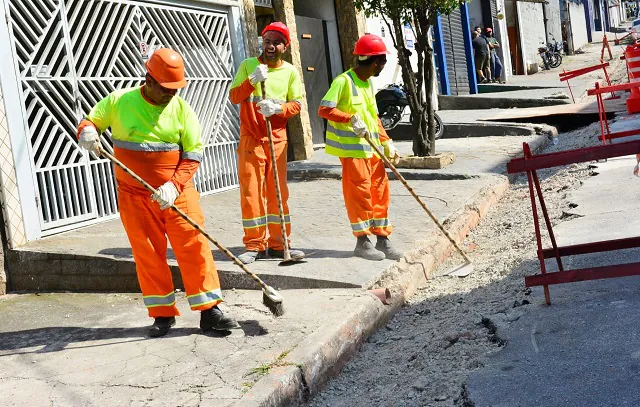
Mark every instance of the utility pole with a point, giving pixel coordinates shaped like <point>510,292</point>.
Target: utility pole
<point>568,30</point>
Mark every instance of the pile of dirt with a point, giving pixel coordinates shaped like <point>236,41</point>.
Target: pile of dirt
<point>447,329</point>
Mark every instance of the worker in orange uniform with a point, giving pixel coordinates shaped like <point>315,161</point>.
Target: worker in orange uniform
<point>350,108</point>
<point>157,135</point>
<point>255,169</point>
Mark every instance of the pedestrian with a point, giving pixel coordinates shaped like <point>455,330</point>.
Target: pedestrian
<point>481,56</point>
<point>350,108</point>
<point>494,60</point>
<point>255,168</point>
<point>157,135</point>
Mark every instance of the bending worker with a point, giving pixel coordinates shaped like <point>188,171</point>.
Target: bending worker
<point>157,135</point>
<point>350,108</point>
<point>255,169</point>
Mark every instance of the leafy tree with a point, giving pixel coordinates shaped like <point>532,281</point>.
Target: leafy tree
<point>419,84</point>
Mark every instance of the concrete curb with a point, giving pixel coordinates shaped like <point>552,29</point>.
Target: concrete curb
<point>322,354</point>
<point>471,102</point>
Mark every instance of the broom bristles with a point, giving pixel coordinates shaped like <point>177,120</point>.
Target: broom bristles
<point>273,300</point>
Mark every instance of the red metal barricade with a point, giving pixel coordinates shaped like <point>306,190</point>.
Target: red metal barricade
<point>529,164</point>
<point>566,75</point>
<point>598,91</point>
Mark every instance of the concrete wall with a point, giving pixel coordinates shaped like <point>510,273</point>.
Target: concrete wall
<point>552,15</point>
<point>501,34</point>
<point>578,25</point>
<point>475,14</point>
<point>324,10</point>
<point>532,33</point>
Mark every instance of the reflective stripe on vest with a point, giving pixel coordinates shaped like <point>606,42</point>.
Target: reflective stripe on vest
<point>157,148</point>
<point>208,297</point>
<point>340,140</point>
<point>151,301</point>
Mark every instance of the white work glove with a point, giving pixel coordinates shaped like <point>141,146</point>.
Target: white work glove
<point>90,139</point>
<point>390,151</point>
<point>358,125</point>
<point>166,195</point>
<point>268,108</point>
<point>259,74</point>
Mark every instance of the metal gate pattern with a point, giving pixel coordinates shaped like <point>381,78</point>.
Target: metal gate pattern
<point>72,53</point>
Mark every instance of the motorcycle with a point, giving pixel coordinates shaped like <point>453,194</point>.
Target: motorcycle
<point>392,102</point>
<point>550,59</point>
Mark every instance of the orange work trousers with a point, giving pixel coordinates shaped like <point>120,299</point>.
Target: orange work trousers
<point>148,227</point>
<point>365,187</point>
<point>258,199</point>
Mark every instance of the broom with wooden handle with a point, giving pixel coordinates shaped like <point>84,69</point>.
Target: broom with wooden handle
<point>270,297</point>
<point>462,270</point>
<point>285,241</point>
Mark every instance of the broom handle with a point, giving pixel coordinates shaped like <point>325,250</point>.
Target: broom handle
<point>274,163</point>
<point>424,206</point>
<point>188,219</point>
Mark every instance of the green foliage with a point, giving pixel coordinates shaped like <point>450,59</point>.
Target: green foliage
<point>422,15</point>
<point>404,10</point>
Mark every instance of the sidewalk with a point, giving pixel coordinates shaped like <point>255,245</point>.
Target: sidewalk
<point>91,349</point>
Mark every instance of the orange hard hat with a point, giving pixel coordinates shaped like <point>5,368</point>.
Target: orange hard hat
<point>370,45</point>
<point>278,27</point>
<point>166,66</point>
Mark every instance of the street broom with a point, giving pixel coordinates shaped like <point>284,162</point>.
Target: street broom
<point>460,271</point>
<point>288,260</point>
<point>270,297</point>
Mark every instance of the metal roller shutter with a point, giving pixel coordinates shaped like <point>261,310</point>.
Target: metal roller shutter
<point>455,53</point>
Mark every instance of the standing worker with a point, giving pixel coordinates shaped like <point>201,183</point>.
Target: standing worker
<point>494,60</point>
<point>157,135</point>
<point>255,167</point>
<point>350,108</point>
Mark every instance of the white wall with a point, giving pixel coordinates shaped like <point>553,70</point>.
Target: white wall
<point>475,14</point>
<point>532,33</point>
<point>554,25</point>
<point>502,35</point>
<point>391,72</point>
<point>614,16</point>
<point>578,25</point>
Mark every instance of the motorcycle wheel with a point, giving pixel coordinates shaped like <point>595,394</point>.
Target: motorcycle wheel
<point>555,60</point>
<point>390,117</point>
<point>439,125</point>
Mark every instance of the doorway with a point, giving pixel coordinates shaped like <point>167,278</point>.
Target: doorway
<point>312,33</point>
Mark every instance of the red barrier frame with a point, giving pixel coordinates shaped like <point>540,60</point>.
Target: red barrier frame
<point>529,164</point>
<point>566,75</point>
<point>602,111</point>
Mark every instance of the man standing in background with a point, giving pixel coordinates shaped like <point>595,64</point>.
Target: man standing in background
<point>494,60</point>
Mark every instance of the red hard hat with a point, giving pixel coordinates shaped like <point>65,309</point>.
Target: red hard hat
<point>278,27</point>
<point>166,66</point>
<point>370,45</point>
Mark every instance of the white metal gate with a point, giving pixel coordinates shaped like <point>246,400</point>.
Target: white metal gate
<point>72,53</point>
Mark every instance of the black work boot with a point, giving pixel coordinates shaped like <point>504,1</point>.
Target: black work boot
<point>161,326</point>
<point>214,319</point>
<point>384,245</point>
<point>364,248</point>
<point>279,254</point>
